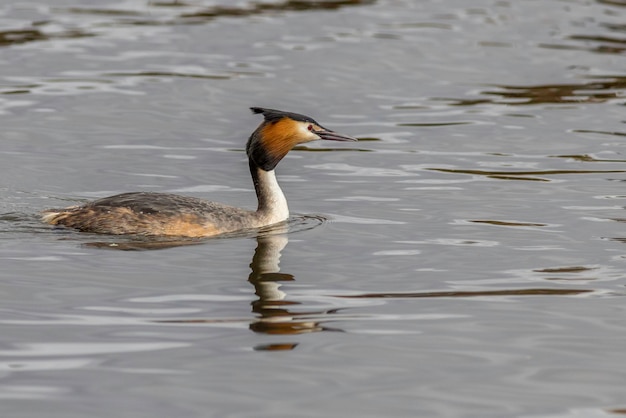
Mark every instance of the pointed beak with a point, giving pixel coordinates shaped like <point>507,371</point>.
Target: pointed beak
<point>333,136</point>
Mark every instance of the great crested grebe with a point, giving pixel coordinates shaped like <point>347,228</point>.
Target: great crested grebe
<point>163,214</point>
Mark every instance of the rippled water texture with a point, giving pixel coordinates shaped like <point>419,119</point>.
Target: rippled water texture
<point>464,259</point>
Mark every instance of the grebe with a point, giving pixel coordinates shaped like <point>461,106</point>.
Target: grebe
<point>163,214</point>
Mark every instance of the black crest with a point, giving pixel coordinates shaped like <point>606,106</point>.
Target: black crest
<point>273,115</point>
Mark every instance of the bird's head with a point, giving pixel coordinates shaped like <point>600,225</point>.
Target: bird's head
<point>280,132</point>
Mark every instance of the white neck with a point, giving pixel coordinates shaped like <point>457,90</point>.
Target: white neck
<point>272,202</point>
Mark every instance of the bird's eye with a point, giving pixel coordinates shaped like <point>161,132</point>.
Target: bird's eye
<point>310,128</point>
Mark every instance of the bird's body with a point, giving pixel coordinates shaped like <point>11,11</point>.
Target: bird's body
<point>163,214</point>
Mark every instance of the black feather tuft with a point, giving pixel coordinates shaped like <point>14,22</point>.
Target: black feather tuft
<point>273,115</point>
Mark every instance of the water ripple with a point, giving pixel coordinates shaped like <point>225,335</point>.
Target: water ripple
<point>521,175</point>
<point>160,13</point>
<point>469,294</point>
<point>22,36</point>
<point>79,349</point>
<point>600,89</point>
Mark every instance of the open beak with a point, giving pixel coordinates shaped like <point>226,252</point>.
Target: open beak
<point>333,136</point>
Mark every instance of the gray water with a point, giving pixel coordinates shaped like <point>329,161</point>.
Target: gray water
<point>464,259</point>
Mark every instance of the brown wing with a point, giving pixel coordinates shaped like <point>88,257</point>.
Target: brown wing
<point>150,214</point>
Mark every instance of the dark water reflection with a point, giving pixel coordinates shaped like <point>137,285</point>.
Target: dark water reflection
<point>14,37</point>
<point>460,294</point>
<point>523,175</point>
<point>599,90</point>
<point>202,15</point>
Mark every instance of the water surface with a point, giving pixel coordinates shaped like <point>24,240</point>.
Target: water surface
<point>464,259</point>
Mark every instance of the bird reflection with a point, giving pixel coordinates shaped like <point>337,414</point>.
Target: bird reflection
<point>274,311</point>
<point>273,306</point>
